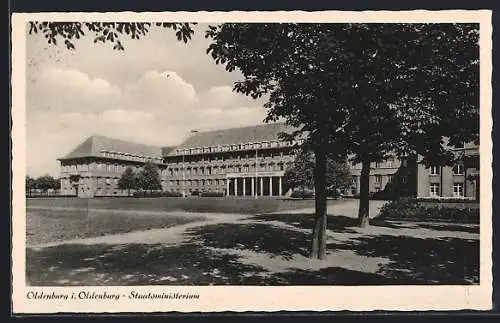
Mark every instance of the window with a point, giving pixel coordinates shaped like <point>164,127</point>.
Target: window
<point>389,178</point>
<point>434,170</point>
<point>389,163</point>
<point>458,169</point>
<point>377,164</point>
<point>458,189</point>
<point>434,189</point>
<point>378,179</point>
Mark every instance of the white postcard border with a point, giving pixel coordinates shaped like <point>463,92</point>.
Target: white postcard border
<point>255,298</point>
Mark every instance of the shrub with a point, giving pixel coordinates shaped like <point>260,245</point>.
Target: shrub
<point>447,200</point>
<point>303,194</point>
<point>410,209</point>
<point>157,194</point>
<point>211,194</point>
<point>172,194</point>
<point>195,193</point>
<point>333,193</point>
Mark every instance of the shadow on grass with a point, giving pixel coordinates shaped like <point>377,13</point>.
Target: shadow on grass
<point>421,261</point>
<point>336,276</point>
<point>451,227</point>
<point>140,264</point>
<point>335,223</point>
<point>258,237</point>
<point>413,260</point>
<point>136,264</point>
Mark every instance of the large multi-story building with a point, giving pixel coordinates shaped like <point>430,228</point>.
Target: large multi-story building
<point>247,161</point>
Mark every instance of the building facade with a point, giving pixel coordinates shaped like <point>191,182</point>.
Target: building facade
<point>248,161</point>
<point>459,181</point>
<point>94,167</point>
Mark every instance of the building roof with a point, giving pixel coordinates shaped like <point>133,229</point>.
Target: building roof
<point>166,150</point>
<point>93,146</point>
<point>249,134</point>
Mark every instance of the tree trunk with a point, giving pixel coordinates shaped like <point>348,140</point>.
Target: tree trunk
<point>477,188</point>
<point>364,195</point>
<point>318,247</point>
<point>128,192</point>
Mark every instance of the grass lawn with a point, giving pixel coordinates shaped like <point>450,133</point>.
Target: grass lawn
<point>259,249</point>
<point>50,225</point>
<point>190,204</point>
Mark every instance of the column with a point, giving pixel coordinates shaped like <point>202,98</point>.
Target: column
<point>244,188</point>
<point>280,186</point>
<point>270,186</point>
<point>227,186</point>
<point>253,186</point>
<point>235,186</point>
<point>261,186</point>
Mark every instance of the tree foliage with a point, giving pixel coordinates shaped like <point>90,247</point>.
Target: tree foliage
<point>149,177</point>
<point>128,180</point>
<point>74,178</point>
<point>364,90</point>
<point>46,182</point>
<point>301,173</point>
<point>103,32</point>
<point>43,183</point>
<point>30,184</point>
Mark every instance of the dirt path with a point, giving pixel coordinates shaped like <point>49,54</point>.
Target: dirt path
<point>177,234</point>
<point>169,236</point>
<point>347,208</point>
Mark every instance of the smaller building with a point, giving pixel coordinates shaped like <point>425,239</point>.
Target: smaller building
<point>459,181</point>
<point>406,177</point>
<point>94,167</point>
<point>388,178</point>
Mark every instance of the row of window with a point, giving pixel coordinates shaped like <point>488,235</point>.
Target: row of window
<point>225,169</point>
<point>458,169</point>
<point>113,168</point>
<point>435,190</point>
<point>248,157</point>
<point>120,155</point>
<point>196,182</point>
<point>235,147</point>
<point>378,179</point>
<point>389,163</point>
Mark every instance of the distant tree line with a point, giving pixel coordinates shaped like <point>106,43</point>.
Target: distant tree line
<point>147,179</point>
<point>41,184</point>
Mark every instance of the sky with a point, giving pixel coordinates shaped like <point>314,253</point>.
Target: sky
<point>155,92</point>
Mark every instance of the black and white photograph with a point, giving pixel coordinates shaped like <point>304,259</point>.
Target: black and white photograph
<point>164,154</point>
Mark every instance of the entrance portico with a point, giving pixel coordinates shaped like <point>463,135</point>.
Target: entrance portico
<point>255,184</point>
